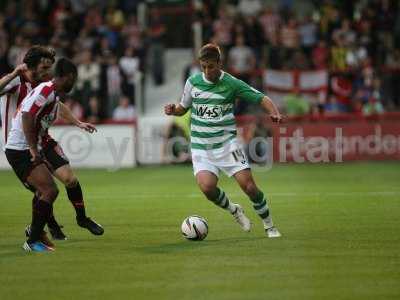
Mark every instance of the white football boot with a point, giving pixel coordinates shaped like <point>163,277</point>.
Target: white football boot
<point>241,218</point>
<point>273,232</point>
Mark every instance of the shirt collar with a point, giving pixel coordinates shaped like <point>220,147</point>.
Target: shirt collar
<point>210,82</point>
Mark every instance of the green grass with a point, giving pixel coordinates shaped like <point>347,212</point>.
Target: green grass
<point>340,225</point>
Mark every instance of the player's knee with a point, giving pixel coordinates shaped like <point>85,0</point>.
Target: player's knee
<point>209,190</point>
<point>50,193</point>
<point>71,181</point>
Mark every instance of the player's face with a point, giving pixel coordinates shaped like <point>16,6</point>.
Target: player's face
<point>211,69</point>
<point>43,70</point>
<point>68,83</point>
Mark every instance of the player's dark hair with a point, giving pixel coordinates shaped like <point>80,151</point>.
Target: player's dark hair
<point>34,55</point>
<point>65,67</point>
<point>210,51</point>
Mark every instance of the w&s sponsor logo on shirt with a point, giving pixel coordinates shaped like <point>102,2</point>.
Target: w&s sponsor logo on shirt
<point>206,111</point>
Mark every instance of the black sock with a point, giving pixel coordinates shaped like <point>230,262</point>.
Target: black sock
<point>40,216</point>
<point>76,198</point>
<point>34,200</point>
<point>52,222</point>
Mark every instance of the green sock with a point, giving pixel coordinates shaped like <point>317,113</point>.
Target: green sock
<point>222,201</point>
<point>261,207</point>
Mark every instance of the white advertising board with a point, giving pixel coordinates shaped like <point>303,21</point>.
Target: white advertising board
<point>112,146</point>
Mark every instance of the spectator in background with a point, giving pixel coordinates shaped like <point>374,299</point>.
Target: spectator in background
<point>373,107</point>
<point>103,49</point>
<point>88,81</point>
<point>129,64</point>
<point>249,8</point>
<point>241,63</point>
<point>114,82</point>
<point>296,104</point>
<point>367,38</point>
<point>156,34</point>
<point>345,33</point>
<point>124,111</point>
<point>308,35</point>
<point>253,35</point>
<point>332,106</point>
<point>223,28</point>
<point>17,51</point>
<point>270,22</point>
<point>290,37</point>
<point>338,55</point>
<point>92,112</point>
<point>370,96</point>
<point>356,56</point>
<point>274,55</point>
<point>241,60</point>
<point>132,33</point>
<point>320,55</point>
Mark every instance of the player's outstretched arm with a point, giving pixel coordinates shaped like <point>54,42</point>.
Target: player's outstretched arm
<point>271,108</point>
<point>174,110</point>
<point>66,115</point>
<point>6,79</point>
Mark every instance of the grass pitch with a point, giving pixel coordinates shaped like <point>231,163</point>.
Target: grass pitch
<point>340,226</point>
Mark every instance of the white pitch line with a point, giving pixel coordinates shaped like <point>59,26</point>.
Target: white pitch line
<point>289,194</point>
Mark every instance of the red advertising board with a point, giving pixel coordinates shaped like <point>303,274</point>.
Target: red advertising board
<point>333,140</point>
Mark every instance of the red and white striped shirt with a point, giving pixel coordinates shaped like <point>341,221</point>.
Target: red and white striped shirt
<point>42,104</point>
<point>11,97</point>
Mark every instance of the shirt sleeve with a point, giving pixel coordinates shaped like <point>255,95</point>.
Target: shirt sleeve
<point>247,93</point>
<point>186,99</point>
<point>12,86</point>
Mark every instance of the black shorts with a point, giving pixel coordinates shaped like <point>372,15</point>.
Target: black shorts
<point>20,161</point>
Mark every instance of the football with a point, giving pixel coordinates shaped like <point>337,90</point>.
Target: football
<point>194,228</point>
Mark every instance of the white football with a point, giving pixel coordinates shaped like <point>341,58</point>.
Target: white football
<point>194,228</point>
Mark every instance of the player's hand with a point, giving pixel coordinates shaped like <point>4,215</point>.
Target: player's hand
<point>87,127</point>
<point>169,109</point>
<point>20,69</point>
<point>36,158</point>
<point>276,118</point>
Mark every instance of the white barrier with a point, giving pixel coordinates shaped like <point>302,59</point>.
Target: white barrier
<point>112,146</point>
<point>150,135</point>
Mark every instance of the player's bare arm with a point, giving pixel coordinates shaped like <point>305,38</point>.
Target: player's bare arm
<point>175,110</point>
<point>28,126</point>
<point>20,69</point>
<point>271,108</point>
<point>66,115</point>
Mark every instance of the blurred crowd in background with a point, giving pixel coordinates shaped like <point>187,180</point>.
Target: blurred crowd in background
<point>358,42</point>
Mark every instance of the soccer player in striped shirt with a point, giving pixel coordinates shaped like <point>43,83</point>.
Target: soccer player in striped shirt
<point>14,87</point>
<point>211,96</point>
<point>34,155</point>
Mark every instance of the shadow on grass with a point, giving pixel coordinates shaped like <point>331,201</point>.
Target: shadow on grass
<point>186,245</point>
<point>8,255</point>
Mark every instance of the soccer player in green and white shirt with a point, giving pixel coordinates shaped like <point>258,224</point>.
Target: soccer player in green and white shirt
<point>211,96</point>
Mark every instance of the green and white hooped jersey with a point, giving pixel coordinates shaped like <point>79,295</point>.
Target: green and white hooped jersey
<point>213,126</point>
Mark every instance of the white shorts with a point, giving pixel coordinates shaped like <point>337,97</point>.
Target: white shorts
<point>230,164</point>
